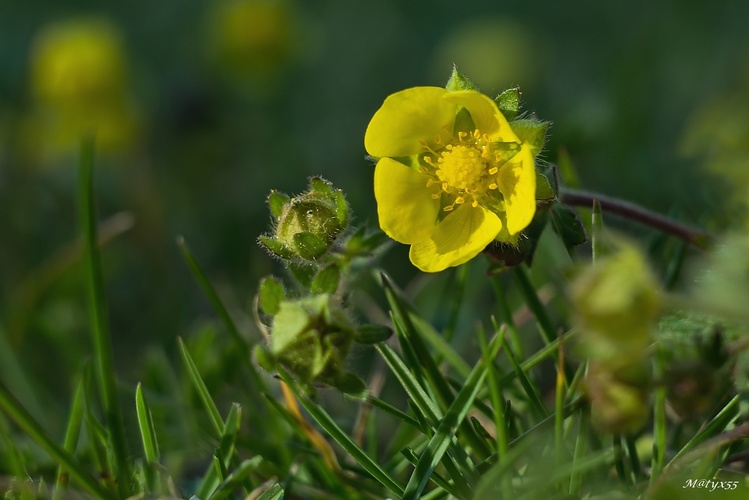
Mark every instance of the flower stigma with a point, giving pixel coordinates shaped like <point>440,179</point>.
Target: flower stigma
<point>465,169</point>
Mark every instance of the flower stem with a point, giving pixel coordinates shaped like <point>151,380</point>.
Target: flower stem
<point>697,237</point>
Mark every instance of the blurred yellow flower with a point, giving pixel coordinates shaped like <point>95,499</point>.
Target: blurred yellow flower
<point>452,176</point>
<point>77,62</point>
<point>252,39</point>
<point>79,84</point>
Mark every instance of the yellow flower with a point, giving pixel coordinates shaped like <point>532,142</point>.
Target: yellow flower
<point>79,81</point>
<point>452,176</point>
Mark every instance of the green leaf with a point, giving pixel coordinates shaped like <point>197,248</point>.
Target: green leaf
<point>309,246</point>
<point>508,103</point>
<point>568,226</point>
<point>531,132</point>
<point>277,201</point>
<point>326,280</point>
<point>270,295</point>
<point>458,81</point>
<point>372,333</point>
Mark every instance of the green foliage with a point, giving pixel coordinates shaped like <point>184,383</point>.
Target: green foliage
<point>436,410</point>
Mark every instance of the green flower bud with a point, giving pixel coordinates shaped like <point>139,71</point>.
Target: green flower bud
<point>619,402</point>
<point>617,302</point>
<point>311,338</point>
<point>307,226</point>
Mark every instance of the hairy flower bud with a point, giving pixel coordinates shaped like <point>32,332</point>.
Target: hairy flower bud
<point>307,226</point>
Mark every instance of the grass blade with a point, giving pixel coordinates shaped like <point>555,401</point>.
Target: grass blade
<point>534,304</point>
<point>210,293</point>
<point>72,434</point>
<point>440,481</point>
<point>148,438</point>
<point>409,335</point>
<point>530,390</point>
<point>426,407</point>
<point>456,414</point>
<point>659,419</point>
<point>25,421</point>
<point>214,416</point>
<point>99,320</point>
<point>236,478</point>
<point>329,425</point>
<point>275,492</point>
<point>392,410</point>
<point>713,428</point>
<point>145,424</point>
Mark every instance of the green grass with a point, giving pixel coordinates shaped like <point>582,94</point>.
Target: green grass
<point>456,414</point>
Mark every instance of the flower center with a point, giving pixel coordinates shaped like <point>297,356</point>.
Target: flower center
<point>465,169</point>
<point>461,167</point>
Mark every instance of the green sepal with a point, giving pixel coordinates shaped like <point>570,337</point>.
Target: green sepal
<point>309,246</point>
<point>531,132</point>
<point>351,385</point>
<point>303,273</point>
<point>264,358</point>
<point>277,201</point>
<point>458,81</point>
<point>544,192</point>
<point>361,243</point>
<point>371,333</point>
<point>463,122</point>
<point>275,246</point>
<point>505,255</point>
<point>322,187</point>
<point>326,280</point>
<point>289,324</point>
<point>270,295</point>
<point>568,226</point>
<point>341,208</point>
<point>508,103</point>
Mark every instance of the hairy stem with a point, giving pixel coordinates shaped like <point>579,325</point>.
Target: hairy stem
<point>697,237</point>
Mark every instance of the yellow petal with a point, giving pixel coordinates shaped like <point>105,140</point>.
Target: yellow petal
<point>486,116</point>
<point>458,238</point>
<point>517,183</point>
<point>405,206</point>
<point>407,119</point>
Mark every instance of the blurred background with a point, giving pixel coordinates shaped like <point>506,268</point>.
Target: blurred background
<point>202,107</point>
